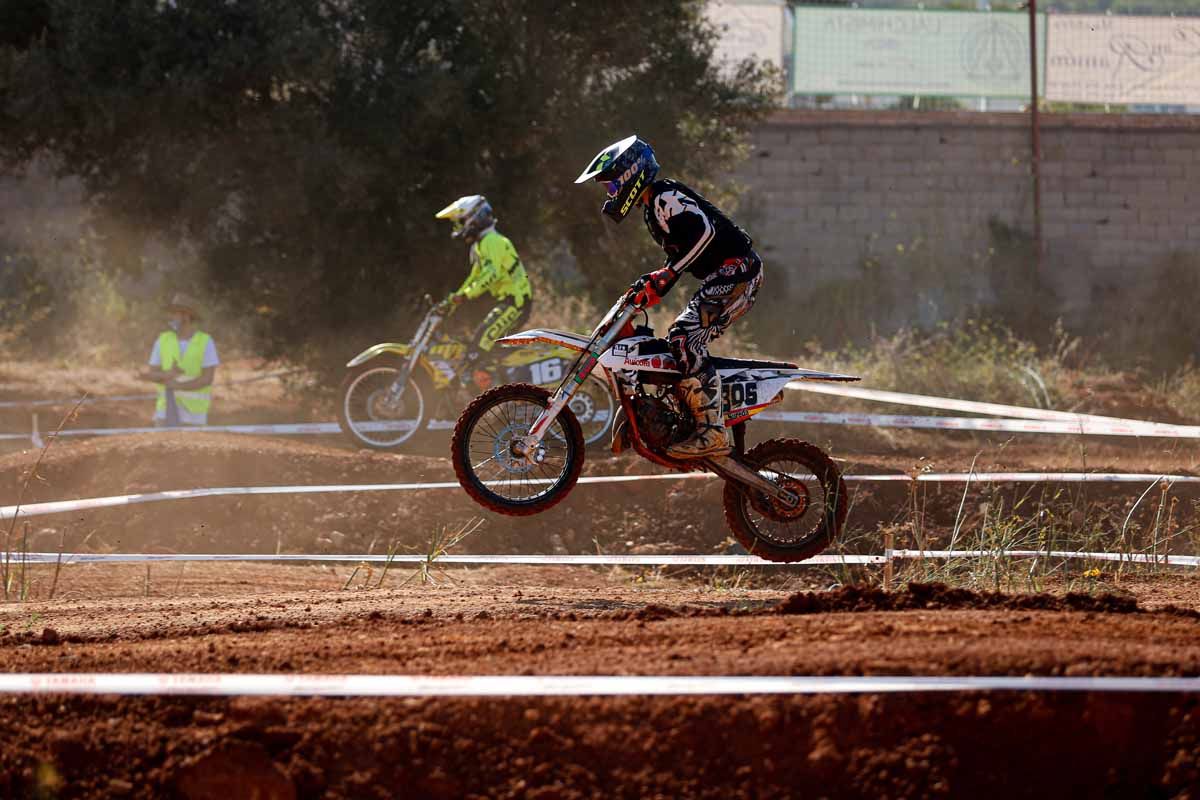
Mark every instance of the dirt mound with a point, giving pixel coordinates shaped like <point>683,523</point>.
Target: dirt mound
<point>620,517</point>
<point>939,596</point>
<point>1071,745</point>
<point>760,747</point>
<point>641,517</point>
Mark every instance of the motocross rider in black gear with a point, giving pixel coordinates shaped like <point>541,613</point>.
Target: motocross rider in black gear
<point>699,239</point>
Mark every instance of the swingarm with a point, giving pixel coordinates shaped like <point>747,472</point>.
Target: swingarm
<point>733,470</point>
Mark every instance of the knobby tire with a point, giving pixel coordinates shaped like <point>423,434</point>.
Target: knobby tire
<point>460,451</point>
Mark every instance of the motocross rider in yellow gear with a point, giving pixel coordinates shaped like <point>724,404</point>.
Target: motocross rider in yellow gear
<point>497,286</point>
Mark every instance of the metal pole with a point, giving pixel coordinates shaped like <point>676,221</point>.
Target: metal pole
<point>1035,164</point>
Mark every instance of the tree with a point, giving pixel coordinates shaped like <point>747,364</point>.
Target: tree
<point>301,147</point>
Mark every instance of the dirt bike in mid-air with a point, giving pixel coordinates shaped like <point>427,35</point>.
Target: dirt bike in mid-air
<point>518,449</point>
<point>393,390</point>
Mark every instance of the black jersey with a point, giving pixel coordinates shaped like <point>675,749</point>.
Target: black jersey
<point>696,236</point>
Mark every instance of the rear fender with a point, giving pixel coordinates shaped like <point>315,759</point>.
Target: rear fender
<point>746,392</point>
<point>377,350</point>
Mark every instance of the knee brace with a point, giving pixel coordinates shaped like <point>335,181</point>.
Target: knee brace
<point>689,360</point>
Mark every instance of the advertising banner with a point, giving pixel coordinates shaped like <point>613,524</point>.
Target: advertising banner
<point>1112,59</point>
<point>928,53</point>
<point>748,30</point>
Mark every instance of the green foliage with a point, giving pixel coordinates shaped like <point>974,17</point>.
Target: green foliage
<point>972,359</point>
<point>1181,391</point>
<point>26,300</point>
<point>301,147</point>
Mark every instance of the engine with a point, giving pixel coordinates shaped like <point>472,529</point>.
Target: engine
<point>659,422</point>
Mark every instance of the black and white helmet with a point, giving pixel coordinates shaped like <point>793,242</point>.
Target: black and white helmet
<point>470,215</point>
<point>625,168</point>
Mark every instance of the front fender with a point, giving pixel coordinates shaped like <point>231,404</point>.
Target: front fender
<point>377,350</point>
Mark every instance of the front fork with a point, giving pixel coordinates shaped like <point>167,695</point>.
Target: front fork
<point>396,391</point>
<point>529,446</point>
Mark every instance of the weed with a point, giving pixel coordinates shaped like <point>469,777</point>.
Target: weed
<point>723,581</point>
<point>440,544</point>
<point>1181,391</point>
<point>6,574</point>
<point>350,580</point>
<point>393,546</point>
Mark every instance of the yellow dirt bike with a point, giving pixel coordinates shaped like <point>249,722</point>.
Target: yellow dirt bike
<point>393,390</point>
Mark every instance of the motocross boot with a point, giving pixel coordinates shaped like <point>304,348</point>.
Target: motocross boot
<point>702,395</point>
<point>620,434</point>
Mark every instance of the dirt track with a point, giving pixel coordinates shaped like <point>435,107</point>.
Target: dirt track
<point>967,745</point>
<point>257,618</point>
<point>653,517</point>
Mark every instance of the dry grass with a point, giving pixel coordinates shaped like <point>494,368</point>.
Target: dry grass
<point>1181,392</point>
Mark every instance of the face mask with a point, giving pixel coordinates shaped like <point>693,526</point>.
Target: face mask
<point>174,324</point>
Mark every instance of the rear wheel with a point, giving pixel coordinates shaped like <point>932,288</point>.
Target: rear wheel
<point>369,417</point>
<point>767,528</point>
<point>496,477</point>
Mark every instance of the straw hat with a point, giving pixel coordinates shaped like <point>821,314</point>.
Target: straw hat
<point>185,303</point>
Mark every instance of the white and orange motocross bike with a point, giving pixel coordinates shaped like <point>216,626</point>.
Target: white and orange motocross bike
<point>518,449</point>
<point>393,390</point>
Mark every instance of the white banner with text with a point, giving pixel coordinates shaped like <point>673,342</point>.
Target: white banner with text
<point>1123,59</point>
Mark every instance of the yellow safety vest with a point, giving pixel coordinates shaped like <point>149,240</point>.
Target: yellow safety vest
<point>194,401</point>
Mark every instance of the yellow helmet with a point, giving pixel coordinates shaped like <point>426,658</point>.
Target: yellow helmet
<point>470,215</point>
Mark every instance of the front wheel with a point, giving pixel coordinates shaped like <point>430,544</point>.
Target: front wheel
<point>370,417</point>
<point>488,469</point>
<point>770,530</point>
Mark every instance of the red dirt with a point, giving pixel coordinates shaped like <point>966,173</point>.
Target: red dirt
<point>982,745</point>
<point>260,618</point>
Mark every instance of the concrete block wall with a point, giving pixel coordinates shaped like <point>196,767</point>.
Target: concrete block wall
<point>829,193</point>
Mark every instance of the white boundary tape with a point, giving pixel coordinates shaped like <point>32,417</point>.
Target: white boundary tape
<point>227,685</point>
<point>1087,421</point>
<point>1128,558</point>
<point>1025,477</point>
<point>285,429</point>
<point>594,560</point>
<point>63,506</point>
<point>1013,419</point>
<point>123,398</point>
<point>1082,427</point>
<point>377,558</point>
<point>60,506</point>
<point>116,398</point>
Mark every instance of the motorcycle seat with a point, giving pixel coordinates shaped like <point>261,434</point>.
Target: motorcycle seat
<point>748,363</point>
